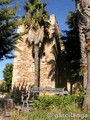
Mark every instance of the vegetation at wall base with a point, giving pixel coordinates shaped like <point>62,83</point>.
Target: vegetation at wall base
<point>51,107</point>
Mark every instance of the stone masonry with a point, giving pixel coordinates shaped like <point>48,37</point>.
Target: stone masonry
<point>23,71</point>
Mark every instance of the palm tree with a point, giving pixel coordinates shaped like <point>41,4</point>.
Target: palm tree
<point>81,26</point>
<point>35,21</point>
<point>83,7</point>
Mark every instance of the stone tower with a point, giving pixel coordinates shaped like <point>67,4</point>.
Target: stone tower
<point>23,71</point>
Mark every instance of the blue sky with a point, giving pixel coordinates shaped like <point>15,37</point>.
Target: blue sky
<point>58,7</point>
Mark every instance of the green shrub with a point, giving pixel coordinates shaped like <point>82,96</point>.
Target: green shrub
<point>45,102</point>
<point>53,105</point>
<point>80,96</point>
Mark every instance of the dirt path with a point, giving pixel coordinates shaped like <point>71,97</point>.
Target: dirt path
<point>4,118</point>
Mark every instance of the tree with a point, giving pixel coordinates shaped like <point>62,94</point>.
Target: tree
<point>8,25</point>
<point>83,42</point>
<point>83,7</point>
<point>72,46</point>
<point>7,75</point>
<point>35,21</point>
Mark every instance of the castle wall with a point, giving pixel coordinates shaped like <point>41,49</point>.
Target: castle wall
<point>23,71</point>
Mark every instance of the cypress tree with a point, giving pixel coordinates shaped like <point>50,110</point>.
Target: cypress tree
<point>72,46</point>
<point>7,74</point>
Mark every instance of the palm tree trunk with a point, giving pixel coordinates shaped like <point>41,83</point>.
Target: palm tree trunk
<point>86,104</point>
<point>37,65</point>
<point>83,7</point>
<point>83,54</point>
<point>81,26</point>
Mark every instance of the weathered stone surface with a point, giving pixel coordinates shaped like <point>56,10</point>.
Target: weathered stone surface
<point>23,71</point>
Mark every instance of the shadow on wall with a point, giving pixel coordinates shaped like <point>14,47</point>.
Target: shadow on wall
<point>58,65</point>
<point>58,68</point>
<point>18,91</point>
